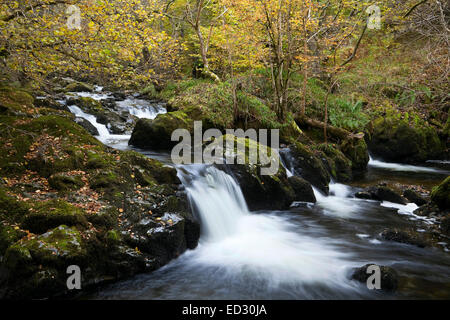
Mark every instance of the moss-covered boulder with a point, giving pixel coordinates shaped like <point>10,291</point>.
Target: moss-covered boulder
<point>66,199</point>
<point>77,86</point>
<point>357,152</point>
<point>441,195</point>
<point>261,191</point>
<point>309,166</point>
<point>157,133</point>
<point>65,182</point>
<point>49,214</point>
<point>339,166</point>
<point>302,189</point>
<point>397,140</point>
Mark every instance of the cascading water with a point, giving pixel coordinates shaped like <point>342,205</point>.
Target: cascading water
<point>216,198</point>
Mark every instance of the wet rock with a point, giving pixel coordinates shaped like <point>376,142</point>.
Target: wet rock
<point>357,151</point>
<point>307,165</point>
<point>404,236</point>
<point>302,188</point>
<point>157,133</point>
<point>389,277</point>
<point>441,195</point>
<point>87,125</point>
<point>445,225</point>
<point>364,195</point>
<point>339,166</point>
<point>381,193</point>
<point>261,191</point>
<point>397,140</point>
<point>414,197</point>
<point>49,102</point>
<point>78,87</point>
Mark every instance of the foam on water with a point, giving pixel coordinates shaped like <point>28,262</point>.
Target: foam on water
<point>239,242</point>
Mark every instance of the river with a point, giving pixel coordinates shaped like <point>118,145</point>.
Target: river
<point>307,252</point>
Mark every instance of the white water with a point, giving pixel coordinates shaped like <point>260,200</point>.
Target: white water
<point>264,246</point>
<point>401,167</point>
<point>104,135</point>
<point>141,108</point>
<point>340,202</point>
<point>136,107</point>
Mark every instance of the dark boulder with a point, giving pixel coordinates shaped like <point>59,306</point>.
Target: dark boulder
<point>302,188</point>
<point>389,277</point>
<point>87,125</point>
<point>441,195</point>
<point>396,140</point>
<point>414,197</point>
<point>404,236</point>
<point>309,166</point>
<point>381,193</point>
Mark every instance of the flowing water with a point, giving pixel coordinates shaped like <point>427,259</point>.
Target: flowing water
<point>307,252</point>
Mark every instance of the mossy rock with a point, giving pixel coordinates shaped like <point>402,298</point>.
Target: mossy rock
<point>56,247</point>
<point>157,133</point>
<point>47,215</point>
<point>339,166</point>
<point>357,152</point>
<point>303,190</point>
<point>104,180</point>
<point>64,182</point>
<point>15,101</point>
<point>441,194</point>
<point>397,140</point>
<point>309,166</point>
<point>8,236</point>
<point>10,208</point>
<point>78,87</point>
<point>261,191</point>
<point>87,104</point>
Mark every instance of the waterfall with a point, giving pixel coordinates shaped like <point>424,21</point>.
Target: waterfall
<point>216,198</point>
<point>265,246</point>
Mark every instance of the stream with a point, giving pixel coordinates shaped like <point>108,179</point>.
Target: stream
<point>307,252</point>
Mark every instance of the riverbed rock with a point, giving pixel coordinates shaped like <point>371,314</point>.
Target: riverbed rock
<point>309,166</point>
<point>414,197</point>
<point>303,189</point>
<point>66,199</point>
<point>389,277</point>
<point>77,86</point>
<point>441,195</point>
<point>87,125</point>
<point>261,192</point>
<point>339,166</point>
<point>397,140</point>
<point>381,193</point>
<point>404,236</point>
<point>357,151</point>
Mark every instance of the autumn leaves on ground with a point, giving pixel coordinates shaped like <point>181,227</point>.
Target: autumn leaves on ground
<point>312,69</point>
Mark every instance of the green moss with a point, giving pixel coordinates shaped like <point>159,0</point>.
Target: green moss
<point>55,247</point>
<point>441,194</point>
<point>89,105</point>
<point>403,140</point>
<point>8,236</point>
<point>14,100</point>
<point>104,180</point>
<point>338,164</point>
<point>63,182</point>
<point>357,151</point>
<point>49,214</point>
<point>10,208</point>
